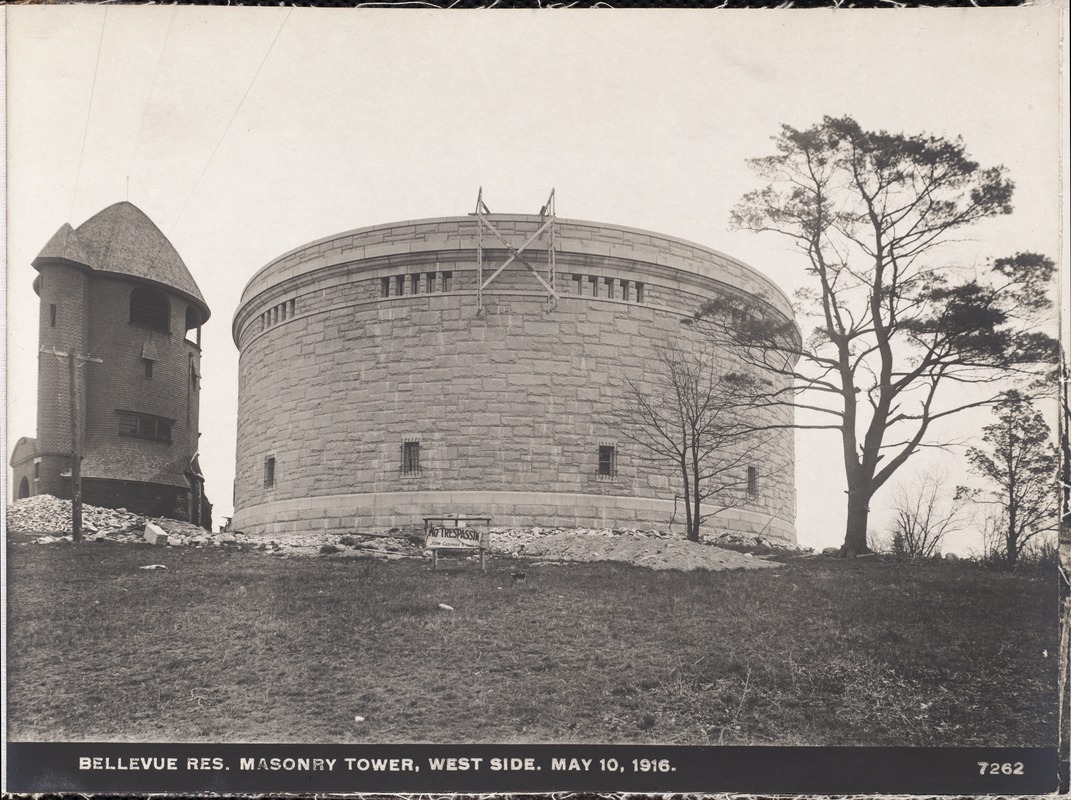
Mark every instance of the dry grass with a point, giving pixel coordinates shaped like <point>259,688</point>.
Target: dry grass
<point>237,646</point>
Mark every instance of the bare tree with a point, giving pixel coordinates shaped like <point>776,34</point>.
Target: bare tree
<point>1020,463</point>
<point>701,417</point>
<point>925,513</point>
<point>894,323</point>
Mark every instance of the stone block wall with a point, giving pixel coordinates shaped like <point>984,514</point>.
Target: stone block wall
<point>509,404</point>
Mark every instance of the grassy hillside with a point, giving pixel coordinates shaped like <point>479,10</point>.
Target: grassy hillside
<point>240,646</point>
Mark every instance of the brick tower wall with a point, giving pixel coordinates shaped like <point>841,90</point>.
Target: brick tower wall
<point>63,326</point>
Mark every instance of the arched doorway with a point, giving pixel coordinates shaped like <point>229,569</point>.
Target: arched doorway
<point>24,488</point>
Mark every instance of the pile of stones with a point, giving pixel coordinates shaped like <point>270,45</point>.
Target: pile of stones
<point>45,513</point>
<point>51,517</point>
<point>517,541</point>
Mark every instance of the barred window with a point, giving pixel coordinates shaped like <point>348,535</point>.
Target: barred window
<point>410,457</point>
<point>607,460</point>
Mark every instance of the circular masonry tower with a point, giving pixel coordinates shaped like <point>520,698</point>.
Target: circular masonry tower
<point>481,366</point>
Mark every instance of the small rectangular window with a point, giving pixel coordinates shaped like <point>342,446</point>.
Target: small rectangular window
<point>384,287</point>
<point>414,284</point>
<point>639,292</point>
<point>410,457</point>
<point>36,469</point>
<point>594,283</point>
<point>269,472</point>
<point>609,287</point>
<point>275,316</point>
<point>148,368</point>
<point>607,458</point>
<point>399,285</point>
<point>430,282</point>
<point>293,305</point>
<point>624,290</point>
<point>579,281</point>
<point>448,279</point>
<point>52,315</point>
<point>752,482</point>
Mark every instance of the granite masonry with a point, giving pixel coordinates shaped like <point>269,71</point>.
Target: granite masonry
<point>374,391</point>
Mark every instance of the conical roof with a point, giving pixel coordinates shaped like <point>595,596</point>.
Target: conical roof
<point>122,240</point>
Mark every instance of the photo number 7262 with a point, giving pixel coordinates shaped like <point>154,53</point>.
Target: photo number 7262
<point>1000,768</point>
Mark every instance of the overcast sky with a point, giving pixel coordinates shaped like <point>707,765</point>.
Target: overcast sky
<point>246,132</point>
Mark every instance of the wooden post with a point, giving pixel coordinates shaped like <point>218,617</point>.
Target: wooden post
<point>76,450</point>
<point>76,439</point>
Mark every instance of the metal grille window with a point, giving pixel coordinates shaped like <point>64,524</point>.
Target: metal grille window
<point>269,472</point>
<point>752,482</point>
<point>607,460</point>
<point>410,457</point>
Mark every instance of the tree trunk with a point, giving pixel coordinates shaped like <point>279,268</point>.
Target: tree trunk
<point>687,500</point>
<point>858,514</point>
<point>693,535</point>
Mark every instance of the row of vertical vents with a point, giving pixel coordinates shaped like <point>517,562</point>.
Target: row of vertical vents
<point>414,283</point>
<point>410,465</point>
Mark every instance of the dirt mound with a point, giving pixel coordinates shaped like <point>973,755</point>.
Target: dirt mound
<point>644,551</point>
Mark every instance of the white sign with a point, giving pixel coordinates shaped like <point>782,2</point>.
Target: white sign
<point>440,536</point>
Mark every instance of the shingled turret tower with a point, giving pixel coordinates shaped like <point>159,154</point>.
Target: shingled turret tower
<point>115,290</point>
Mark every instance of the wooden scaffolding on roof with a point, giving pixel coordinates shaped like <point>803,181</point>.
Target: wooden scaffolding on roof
<point>548,217</point>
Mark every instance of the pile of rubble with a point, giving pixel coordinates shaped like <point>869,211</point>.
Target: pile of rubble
<point>51,517</point>
<point>47,514</point>
<point>516,541</point>
<point>646,548</point>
